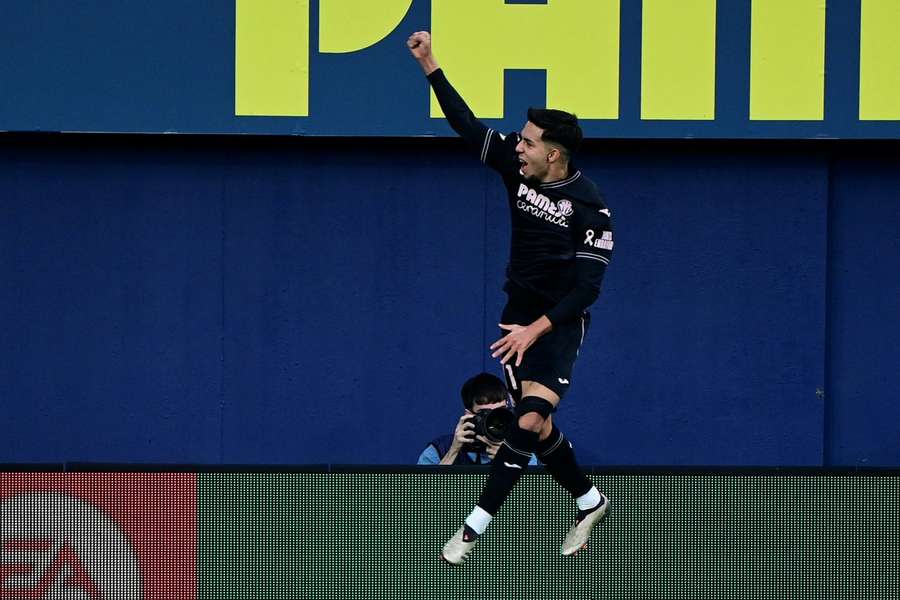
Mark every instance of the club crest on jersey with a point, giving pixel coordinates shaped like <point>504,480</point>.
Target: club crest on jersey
<point>542,207</point>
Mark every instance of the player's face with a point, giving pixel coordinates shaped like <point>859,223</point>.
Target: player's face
<point>533,153</point>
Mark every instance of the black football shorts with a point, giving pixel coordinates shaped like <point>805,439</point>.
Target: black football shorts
<point>550,359</point>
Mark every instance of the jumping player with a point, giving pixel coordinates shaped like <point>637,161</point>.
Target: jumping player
<point>561,244</point>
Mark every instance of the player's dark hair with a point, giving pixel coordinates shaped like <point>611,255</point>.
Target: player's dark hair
<point>560,128</point>
<point>483,388</point>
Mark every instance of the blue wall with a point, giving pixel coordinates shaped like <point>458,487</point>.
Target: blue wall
<point>219,300</point>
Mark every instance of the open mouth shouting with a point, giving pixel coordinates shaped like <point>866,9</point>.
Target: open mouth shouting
<point>523,167</point>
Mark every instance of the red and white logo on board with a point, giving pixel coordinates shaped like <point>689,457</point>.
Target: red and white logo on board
<point>55,546</point>
<point>98,536</point>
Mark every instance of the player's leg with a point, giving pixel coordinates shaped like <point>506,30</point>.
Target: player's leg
<point>510,462</point>
<point>518,447</point>
<point>557,456</point>
<point>554,450</point>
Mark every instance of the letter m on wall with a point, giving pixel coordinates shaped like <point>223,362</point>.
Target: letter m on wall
<point>576,41</point>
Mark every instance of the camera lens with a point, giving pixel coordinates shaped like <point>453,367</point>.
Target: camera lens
<point>493,424</point>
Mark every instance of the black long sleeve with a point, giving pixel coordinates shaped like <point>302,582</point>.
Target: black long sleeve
<point>594,236</point>
<point>458,114</point>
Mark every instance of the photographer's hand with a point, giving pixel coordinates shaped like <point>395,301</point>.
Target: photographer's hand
<point>463,435</point>
<point>490,447</point>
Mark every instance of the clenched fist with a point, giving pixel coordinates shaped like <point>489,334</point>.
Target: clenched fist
<point>419,45</point>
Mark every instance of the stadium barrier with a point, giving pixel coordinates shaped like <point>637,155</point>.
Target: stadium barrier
<point>326,532</point>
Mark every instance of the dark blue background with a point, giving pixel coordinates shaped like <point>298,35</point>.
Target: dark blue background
<point>133,66</point>
<point>281,300</point>
<point>243,299</point>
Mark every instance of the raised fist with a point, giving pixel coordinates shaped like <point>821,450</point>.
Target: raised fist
<point>419,44</point>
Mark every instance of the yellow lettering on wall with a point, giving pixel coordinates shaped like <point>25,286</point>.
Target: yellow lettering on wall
<point>678,59</point>
<point>879,61</point>
<point>271,71</point>
<point>787,60</point>
<point>576,41</point>
<point>351,25</point>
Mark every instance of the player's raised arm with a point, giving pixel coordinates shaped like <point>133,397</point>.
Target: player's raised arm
<point>458,114</point>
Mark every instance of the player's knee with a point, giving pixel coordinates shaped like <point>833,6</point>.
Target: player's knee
<point>532,412</point>
<point>531,422</point>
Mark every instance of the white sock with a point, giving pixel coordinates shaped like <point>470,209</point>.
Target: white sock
<point>589,500</point>
<point>478,520</point>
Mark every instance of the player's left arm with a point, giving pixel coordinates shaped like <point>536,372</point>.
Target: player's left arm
<point>593,251</point>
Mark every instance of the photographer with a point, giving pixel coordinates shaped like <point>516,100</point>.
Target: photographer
<point>480,394</point>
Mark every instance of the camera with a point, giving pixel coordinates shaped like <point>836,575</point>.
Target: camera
<point>492,424</point>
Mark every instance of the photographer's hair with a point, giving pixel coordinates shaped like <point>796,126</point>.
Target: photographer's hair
<point>560,128</point>
<point>483,388</point>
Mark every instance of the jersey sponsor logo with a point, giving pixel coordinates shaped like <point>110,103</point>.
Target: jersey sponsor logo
<point>511,466</point>
<point>605,211</point>
<point>542,207</point>
<point>563,380</point>
<point>604,242</point>
<point>57,546</point>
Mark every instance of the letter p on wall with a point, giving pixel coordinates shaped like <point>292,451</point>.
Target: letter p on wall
<point>272,41</point>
